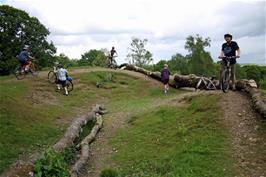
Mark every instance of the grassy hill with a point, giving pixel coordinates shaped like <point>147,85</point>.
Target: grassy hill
<point>159,138</point>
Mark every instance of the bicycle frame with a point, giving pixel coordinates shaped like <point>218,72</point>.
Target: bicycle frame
<point>208,84</point>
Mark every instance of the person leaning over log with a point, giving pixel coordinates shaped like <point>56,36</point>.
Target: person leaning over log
<point>229,49</point>
<point>165,74</point>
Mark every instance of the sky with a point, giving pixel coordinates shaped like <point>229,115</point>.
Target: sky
<point>77,26</point>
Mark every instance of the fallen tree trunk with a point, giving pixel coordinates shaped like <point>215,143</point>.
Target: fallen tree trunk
<point>84,145</point>
<point>76,127</point>
<point>257,97</point>
<point>177,81</point>
<point>25,168</point>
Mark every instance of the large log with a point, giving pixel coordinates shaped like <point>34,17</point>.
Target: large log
<point>258,98</point>
<point>76,127</point>
<point>176,81</point>
<point>84,156</point>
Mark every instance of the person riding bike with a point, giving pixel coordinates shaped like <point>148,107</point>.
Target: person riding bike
<point>62,75</point>
<point>23,58</point>
<point>112,55</point>
<point>229,49</point>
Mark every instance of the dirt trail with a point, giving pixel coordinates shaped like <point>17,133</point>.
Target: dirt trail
<point>248,134</point>
<point>246,127</point>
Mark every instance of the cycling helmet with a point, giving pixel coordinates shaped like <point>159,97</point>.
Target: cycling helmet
<point>228,35</point>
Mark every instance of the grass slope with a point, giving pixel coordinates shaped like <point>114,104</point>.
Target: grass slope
<point>169,141</point>
<point>33,116</point>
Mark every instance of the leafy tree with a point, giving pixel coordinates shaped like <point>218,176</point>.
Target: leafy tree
<point>200,61</point>
<point>179,64</point>
<point>67,62</point>
<point>93,58</point>
<point>138,55</point>
<point>18,29</point>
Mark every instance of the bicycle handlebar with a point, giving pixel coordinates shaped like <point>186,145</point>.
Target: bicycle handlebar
<point>229,57</point>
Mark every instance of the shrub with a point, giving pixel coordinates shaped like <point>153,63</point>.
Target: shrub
<point>52,164</point>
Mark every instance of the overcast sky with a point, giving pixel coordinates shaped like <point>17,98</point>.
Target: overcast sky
<point>77,26</point>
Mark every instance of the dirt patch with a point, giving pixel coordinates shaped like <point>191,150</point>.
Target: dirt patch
<point>42,93</point>
<point>248,134</point>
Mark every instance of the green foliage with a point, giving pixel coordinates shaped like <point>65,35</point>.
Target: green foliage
<point>51,164</point>
<point>18,29</point>
<point>262,84</point>
<point>93,58</point>
<point>200,61</point>
<point>138,55</point>
<point>62,58</point>
<point>108,173</point>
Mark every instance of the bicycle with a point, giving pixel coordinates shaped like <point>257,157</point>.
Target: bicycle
<point>20,73</point>
<point>226,73</point>
<point>52,78</point>
<point>111,63</point>
<point>206,83</point>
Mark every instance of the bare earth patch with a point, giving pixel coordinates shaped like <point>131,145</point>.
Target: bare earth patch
<point>248,134</point>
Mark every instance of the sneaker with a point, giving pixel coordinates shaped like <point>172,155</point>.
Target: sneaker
<point>65,94</point>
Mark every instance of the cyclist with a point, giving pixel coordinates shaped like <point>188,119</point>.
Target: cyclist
<point>229,49</point>
<point>23,58</point>
<point>62,75</point>
<point>165,74</point>
<point>111,56</point>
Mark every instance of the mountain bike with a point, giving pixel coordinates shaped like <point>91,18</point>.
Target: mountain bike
<point>206,83</point>
<point>226,73</point>
<point>52,78</point>
<point>31,69</point>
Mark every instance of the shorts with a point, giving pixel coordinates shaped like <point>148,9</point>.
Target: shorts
<point>23,62</point>
<point>63,83</point>
<point>165,81</point>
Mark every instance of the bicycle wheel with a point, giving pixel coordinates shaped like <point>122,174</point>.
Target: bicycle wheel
<point>69,86</point>
<point>52,77</point>
<point>225,81</point>
<point>19,75</point>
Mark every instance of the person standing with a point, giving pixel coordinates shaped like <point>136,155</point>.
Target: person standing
<point>165,75</point>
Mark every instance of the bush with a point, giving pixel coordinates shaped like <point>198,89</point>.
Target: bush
<point>262,84</point>
<point>52,164</point>
<point>108,173</point>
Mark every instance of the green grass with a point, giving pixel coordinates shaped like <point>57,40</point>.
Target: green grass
<point>32,123</point>
<point>170,141</point>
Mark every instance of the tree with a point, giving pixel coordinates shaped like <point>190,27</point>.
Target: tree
<point>138,55</point>
<point>179,64</point>
<point>200,61</point>
<point>18,29</point>
<point>63,59</point>
<point>93,58</point>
